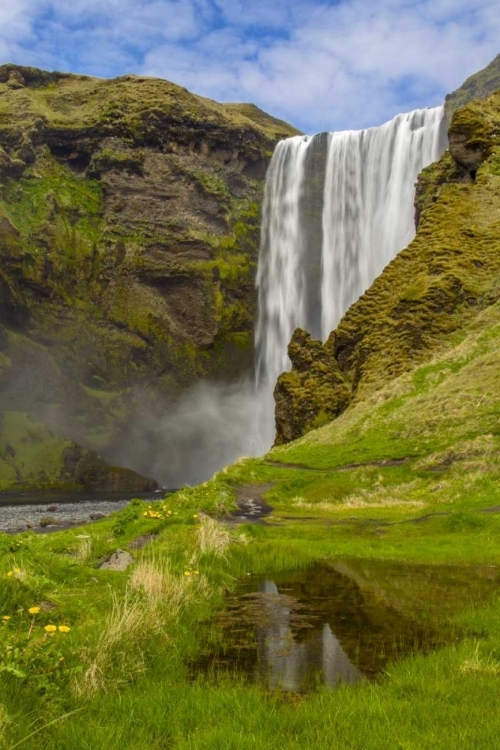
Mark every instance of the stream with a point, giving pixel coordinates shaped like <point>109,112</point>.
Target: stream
<point>46,511</point>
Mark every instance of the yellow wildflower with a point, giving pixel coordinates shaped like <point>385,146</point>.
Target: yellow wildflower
<point>195,515</point>
<point>187,573</point>
<point>64,629</point>
<point>5,618</point>
<point>34,610</point>
<point>10,574</point>
<point>145,513</point>
<point>50,628</point>
<point>196,572</point>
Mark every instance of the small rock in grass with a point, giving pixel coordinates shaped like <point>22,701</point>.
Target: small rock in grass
<point>119,560</point>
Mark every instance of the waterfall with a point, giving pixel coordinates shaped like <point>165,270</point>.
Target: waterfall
<point>337,208</point>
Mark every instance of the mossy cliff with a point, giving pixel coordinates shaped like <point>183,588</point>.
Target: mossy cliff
<point>477,86</point>
<point>422,301</point>
<point>129,230</point>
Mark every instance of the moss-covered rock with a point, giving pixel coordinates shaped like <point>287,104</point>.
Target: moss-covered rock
<point>313,392</point>
<point>129,233</point>
<point>431,290</point>
<point>31,456</point>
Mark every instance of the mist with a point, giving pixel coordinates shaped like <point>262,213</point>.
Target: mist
<point>209,427</point>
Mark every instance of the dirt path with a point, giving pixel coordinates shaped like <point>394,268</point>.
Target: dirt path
<point>348,467</point>
<point>252,507</point>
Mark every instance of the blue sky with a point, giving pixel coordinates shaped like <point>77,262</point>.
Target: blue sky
<point>320,64</point>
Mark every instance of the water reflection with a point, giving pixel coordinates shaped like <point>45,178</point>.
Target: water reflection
<point>338,623</point>
<point>289,664</point>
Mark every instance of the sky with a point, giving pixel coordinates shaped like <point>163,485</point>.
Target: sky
<point>319,64</point>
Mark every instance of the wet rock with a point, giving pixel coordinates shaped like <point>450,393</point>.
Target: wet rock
<point>119,560</point>
<point>97,516</point>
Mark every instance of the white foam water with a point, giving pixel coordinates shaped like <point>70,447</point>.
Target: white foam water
<point>359,194</point>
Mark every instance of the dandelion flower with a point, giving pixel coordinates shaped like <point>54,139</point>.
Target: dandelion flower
<point>10,574</point>
<point>64,629</point>
<point>50,628</point>
<point>195,515</point>
<point>196,572</point>
<point>187,573</point>
<point>17,571</point>
<point>5,618</point>
<point>34,610</point>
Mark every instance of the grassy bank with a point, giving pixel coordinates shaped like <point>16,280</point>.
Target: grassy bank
<point>411,475</point>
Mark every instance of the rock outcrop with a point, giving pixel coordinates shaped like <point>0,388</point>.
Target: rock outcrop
<point>129,232</point>
<point>427,294</point>
<point>313,392</point>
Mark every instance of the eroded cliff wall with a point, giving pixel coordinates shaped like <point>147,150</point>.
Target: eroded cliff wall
<point>129,231</point>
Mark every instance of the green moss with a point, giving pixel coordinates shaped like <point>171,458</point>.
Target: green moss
<point>214,185</point>
<point>478,86</point>
<point>109,158</point>
<point>30,455</point>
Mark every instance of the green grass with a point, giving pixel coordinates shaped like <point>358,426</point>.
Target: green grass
<point>30,455</point>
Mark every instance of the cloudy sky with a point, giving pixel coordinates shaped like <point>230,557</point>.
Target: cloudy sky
<point>320,64</point>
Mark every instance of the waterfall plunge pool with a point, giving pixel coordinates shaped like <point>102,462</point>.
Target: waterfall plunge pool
<point>337,622</point>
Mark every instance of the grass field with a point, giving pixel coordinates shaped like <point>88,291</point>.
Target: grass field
<point>405,477</point>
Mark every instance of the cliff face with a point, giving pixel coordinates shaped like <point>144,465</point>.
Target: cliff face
<point>129,229</point>
<point>430,291</point>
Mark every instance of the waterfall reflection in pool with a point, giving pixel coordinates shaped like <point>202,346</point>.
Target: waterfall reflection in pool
<point>339,622</point>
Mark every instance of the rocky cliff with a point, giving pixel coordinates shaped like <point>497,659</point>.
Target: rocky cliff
<point>129,229</point>
<point>428,293</point>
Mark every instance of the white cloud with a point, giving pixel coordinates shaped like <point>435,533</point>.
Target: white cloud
<point>316,63</point>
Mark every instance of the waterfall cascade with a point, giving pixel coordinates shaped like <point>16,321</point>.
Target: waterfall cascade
<point>338,207</point>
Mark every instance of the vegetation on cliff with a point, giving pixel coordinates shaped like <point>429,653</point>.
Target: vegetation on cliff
<point>129,231</point>
<point>422,301</point>
<point>478,86</point>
